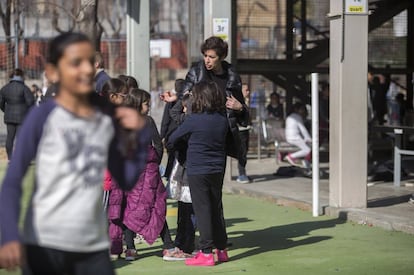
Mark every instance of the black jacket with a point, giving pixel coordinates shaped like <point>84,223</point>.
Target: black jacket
<point>15,100</point>
<point>168,125</point>
<point>198,73</point>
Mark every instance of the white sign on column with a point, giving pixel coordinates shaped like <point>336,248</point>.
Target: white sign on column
<point>221,28</point>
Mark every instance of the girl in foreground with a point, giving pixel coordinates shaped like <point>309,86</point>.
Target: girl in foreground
<point>71,139</point>
<point>206,129</point>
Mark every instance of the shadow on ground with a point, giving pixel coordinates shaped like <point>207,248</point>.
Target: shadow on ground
<point>278,237</point>
<point>388,201</point>
<point>286,172</point>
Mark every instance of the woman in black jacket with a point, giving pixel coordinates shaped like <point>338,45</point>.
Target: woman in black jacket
<point>15,100</point>
<point>214,68</point>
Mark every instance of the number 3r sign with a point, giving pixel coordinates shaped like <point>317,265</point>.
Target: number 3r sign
<point>356,6</point>
<point>221,28</point>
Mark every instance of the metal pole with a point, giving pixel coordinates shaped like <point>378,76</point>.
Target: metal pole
<point>16,45</point>
<point>260,130</point>
<point>315,145</point>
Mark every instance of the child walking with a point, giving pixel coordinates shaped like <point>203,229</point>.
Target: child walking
<point>143,209</point>
<point>206,130</point>
<point>71,138</point>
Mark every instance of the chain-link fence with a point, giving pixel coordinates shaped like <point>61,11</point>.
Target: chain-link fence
<point>262,27</point>
<point>31,57</point>
<point>388,44</point>
<point>262,31</point>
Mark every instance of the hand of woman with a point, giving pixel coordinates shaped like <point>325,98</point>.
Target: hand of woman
<point>168,96</point>
<point>233,104</point>
<point>11,255</point>
<point>129,118</point>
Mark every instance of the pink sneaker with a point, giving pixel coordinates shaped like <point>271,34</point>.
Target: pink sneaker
<point>201,259</point>
<point>222,256</point>
<point>291,160</point>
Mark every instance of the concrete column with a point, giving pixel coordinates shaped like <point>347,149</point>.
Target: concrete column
<point>196,31</point>
<point>138,41</point>
<point>218,9</point>
<point>348,107</point>
<point>410,56</point>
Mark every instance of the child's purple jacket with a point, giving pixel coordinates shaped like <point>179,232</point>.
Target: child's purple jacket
<point>142,210</point>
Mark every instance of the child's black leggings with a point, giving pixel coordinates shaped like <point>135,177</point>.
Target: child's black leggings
<point>206,194</point>
<point>186,226</point>
<point>165,236</point>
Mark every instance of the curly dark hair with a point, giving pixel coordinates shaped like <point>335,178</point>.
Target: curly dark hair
<point>207,97</point>
<point>135,98</point>
<point>217,44</point>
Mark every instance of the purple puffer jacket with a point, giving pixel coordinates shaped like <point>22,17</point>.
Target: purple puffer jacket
<point>142,210</point>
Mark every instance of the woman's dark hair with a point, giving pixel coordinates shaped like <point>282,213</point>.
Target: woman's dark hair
<point>217,44</point>
<point>16,72</point>
<point>207,98</point>
<point>130,81</point>
<point>136,97</point>
<point>59,44</point>
<point>113,86</point>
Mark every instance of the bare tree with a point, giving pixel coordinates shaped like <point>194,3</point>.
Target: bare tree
<point>84,17</point>
<point>155,15</point>
<point>112,12</point>
<point>182,20</point>
<point>57,10</point>
<point>6,8</point>
<point>88,21</point>
<point>112,15</point>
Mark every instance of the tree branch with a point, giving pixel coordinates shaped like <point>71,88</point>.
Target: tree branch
<point>6,17</point>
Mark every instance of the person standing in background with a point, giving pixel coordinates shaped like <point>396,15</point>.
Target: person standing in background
<point>101,76</point>
<point>244,142</point>
<point>168,126</point>
<point>15,100</point>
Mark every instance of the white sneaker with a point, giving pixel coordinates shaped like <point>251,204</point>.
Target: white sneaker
<point>243,179</point>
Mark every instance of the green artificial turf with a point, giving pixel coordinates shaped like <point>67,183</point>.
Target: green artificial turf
<point>270,239</point>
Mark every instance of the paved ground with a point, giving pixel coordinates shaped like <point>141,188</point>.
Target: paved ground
<point>387,205</point>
